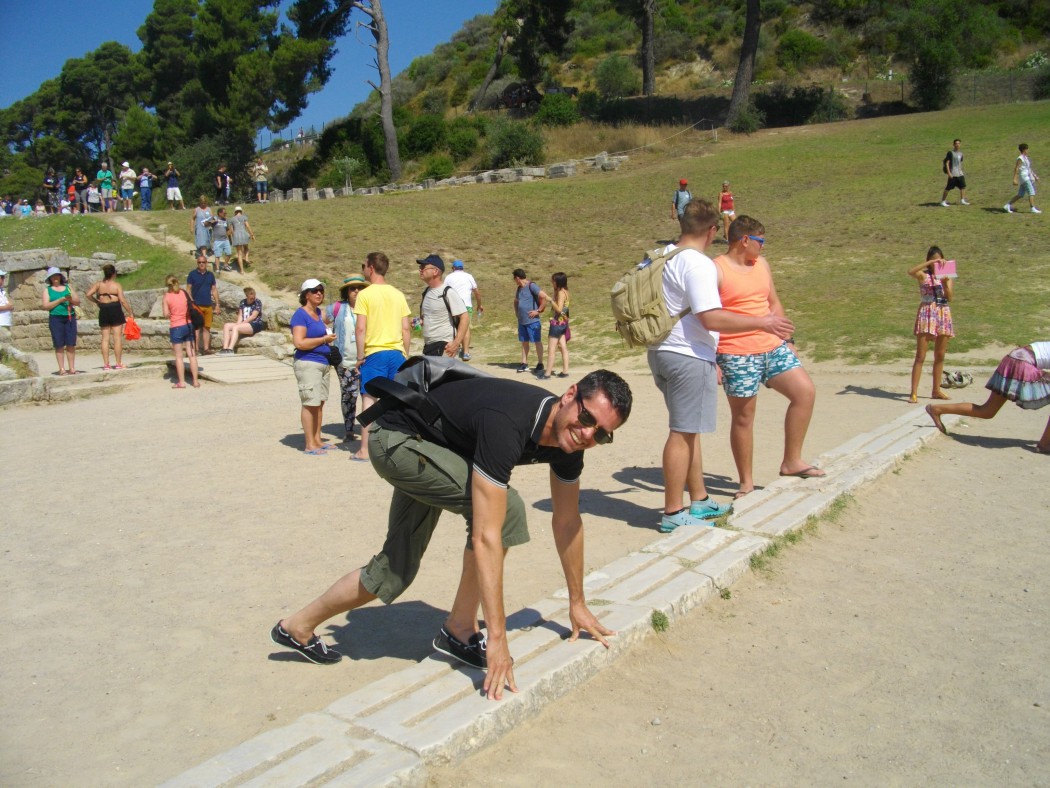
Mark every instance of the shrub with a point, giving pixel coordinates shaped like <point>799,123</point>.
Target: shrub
<point>1041,86</point>
<point>616,76</point>
<point>514,144</point>
<point>439,166</point>
<point>798,50</point>
<point>425,135</point>
<point>462,143</point>
<point>434,101</point>
<point>557,109</point>
<point>933,74</point>
<point>589,104</point>
<point>749,120</point>
<point>831,106</point>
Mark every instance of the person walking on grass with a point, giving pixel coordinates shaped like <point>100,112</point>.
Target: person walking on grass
<point>684,368</point>
<point>933,321</point>
<point>488,428</point>
<point>1022,377</point>
<point>755,358</point>
<point>467,287</point>
<point>953,168</point>
<point>1024,180</point>
<point>680,199</point>
<point>529,303</point>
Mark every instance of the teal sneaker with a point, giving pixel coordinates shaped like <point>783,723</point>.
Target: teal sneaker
<point>671,521</point>
<point>709,509</point>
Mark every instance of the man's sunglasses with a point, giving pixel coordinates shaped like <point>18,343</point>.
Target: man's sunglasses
<point>761,239</point>
<point>601,435</point>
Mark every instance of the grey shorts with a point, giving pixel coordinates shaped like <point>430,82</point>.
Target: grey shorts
<point>690,389</point>
<point>427,479</point>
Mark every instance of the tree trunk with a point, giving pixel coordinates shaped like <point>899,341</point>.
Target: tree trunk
<point>379,31</point>
<point>745,70</point>
<point>501,46</point>
<point>648,51</point>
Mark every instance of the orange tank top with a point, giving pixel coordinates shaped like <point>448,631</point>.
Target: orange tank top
<point>746,293</point>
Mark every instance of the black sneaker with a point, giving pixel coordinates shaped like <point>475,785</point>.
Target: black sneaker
<point>523,368</point>
<point>315,651</point>
<point>472,653</point>
<point>539,369</point>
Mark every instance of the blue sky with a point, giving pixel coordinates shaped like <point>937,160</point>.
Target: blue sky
<point>37,37</point>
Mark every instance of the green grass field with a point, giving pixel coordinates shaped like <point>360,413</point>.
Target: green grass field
<point>848,207</point>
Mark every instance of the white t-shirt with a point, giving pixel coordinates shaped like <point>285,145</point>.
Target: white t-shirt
<point>463,283</point>
<point>437,327</point>
<point>1041,351</point>
<point>5,317</point>
<point>691,280</point>
<point>1025,170</point>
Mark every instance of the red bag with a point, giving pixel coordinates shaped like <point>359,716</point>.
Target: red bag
<point>132,330</point>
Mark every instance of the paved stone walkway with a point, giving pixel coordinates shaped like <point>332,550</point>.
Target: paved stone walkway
<point>432,712</point>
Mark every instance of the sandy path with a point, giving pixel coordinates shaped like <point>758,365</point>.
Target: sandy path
<point>152,538</point>
<point>905,644</point>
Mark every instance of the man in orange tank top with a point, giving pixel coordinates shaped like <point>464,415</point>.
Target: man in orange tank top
<point>750,359</point>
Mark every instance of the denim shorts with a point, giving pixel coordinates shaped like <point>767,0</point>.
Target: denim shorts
<point>63,331</point>
<point>742,375</point>
<point>127,194</point>
<point>180,334</point>
<point>530,332</point>
<point>383,364</point>
<point>221,248</point>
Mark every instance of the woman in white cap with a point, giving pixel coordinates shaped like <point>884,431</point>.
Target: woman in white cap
<point>241,234</point>
<point>58,299</point>
<point>311,339</point>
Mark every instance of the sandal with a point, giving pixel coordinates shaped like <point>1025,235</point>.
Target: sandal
<point>179,386</point>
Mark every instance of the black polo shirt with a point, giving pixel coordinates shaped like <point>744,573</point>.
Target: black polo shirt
<point>494,423</point>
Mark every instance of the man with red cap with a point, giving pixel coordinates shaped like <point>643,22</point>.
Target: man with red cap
<point>681,199</point>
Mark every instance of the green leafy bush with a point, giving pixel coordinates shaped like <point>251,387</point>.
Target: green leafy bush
<point>1041,87</point>
<point>616,76</point>
<point>589,104</point>
<point>439,166</point>
<point>514,144</point>
<point>557,109</point>
<point>932,75</point>
<point>425,135</point>
<point>462,142</point>
<point>798,50</point>
<point>749,120</point>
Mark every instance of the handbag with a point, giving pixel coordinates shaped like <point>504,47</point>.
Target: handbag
<point>132,330</point>
<point>335,356</point>
<point>196,317</point>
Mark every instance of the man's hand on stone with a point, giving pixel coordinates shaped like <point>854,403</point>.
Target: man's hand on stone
<point>581,618</point>
<point>500,668</point>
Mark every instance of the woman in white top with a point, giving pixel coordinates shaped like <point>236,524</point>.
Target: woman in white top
<point>1022,377</point>
<point>340,316</point>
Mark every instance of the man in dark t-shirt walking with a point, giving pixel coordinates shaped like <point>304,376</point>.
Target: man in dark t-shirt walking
<point>487,427</point>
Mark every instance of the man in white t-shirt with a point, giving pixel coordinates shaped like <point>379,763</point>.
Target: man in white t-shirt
<point>464,284</point>
<point>684,368</point>
<point>443,312</point>
<point>5,306</point>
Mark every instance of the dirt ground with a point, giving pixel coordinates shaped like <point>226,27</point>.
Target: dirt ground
<point>151,538</point>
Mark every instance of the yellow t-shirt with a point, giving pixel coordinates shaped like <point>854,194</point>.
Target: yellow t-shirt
<point>384,307</point>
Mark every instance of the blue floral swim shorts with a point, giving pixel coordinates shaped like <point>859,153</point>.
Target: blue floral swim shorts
<point>742,375</point>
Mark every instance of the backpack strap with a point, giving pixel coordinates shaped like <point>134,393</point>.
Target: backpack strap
<point>448,306</point>
<point>391,394</point>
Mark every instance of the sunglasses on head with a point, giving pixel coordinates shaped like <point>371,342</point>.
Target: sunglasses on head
<point>586,419</point>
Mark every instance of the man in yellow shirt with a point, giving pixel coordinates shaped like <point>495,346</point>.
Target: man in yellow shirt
<point>383,332</point>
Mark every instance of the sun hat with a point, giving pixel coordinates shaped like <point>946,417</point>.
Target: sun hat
<point>458,264</point>
<point>434,260</point>
<point>52,271</point>
<point>353,281</point>
<point>310,284</point>
<point>238,208</point>
<point>125,164</point>
<point>683,182</point>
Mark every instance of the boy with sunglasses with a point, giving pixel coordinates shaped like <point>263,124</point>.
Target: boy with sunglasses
<point>487,427</point>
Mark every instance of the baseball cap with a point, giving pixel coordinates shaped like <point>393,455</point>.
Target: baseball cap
<point>310,284</point>
<point>434,260</point>
<point>683,182</point>
<point>457,264</point>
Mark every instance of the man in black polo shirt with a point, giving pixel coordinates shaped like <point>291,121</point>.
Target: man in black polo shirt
<point>487,426</point>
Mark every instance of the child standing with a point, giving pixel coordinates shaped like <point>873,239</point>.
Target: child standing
<point>1024,180</point>
<point>933,321</point>
<point>727,209</point>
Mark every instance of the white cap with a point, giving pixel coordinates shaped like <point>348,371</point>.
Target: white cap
<point>3,273</point>
<point>238,208</point>
<point>125,164</point>
<point>310,284</point>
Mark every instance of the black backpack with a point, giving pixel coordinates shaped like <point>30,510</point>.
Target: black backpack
<point>409,388</point>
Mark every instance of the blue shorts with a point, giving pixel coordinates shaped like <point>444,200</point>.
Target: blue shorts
<point>221,248</point>
<point>260,186</point>
<point>127,194</point>
<point>63,331</point>
<point>383,364</point>
<point>1026,189</point>
<point>530,332</point>
<point>180,334</point>
<point>742,375</point>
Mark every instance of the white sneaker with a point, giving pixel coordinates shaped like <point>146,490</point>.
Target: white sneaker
<point>1035,210</point>
<point>945,203</point>
<point>1007,208</point>
<point>964,202</point>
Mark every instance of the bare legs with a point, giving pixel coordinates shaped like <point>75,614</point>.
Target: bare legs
<point>987,410</point>
<point>683,469</point>
<point>940,348</point>
<point>797,386</point>
<point>180,372</point>
<point>116,334</point>
<point>232,332</point>
<point>557,344</point>
<point>311,419</point>
<point>242,254</point>
<point>66,358</point>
